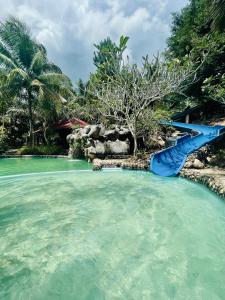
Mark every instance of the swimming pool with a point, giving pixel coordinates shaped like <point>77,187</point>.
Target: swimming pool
<point>113,234</point>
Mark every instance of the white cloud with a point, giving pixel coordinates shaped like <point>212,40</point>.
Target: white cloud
<point>69,28</point>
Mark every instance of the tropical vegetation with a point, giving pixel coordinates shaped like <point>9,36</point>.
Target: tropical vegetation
<point>30,84</point>
<point>35,94</point>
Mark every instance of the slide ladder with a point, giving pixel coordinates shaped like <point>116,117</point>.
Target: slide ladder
<point>170,161</point>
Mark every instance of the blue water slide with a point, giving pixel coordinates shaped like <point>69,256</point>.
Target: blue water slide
<point>170,161</point>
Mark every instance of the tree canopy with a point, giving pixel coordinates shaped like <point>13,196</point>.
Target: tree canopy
<point>198,30</point>
<point>28,80</point>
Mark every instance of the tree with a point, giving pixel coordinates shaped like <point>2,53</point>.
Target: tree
<point>215,87</point>
<point>129,95</point>
<point>192,34</point>
<point>26,75</point>
<point>218,15</point>
<point>108,57</point>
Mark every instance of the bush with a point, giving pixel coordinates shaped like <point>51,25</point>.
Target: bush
<point>41,150</point>
<point>3,139</point>
<point>220,155</point>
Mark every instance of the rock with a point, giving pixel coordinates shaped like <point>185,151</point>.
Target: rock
<point>188,165</point>
<point>90,151</point>
<point>111,135</point>
<point>95,141</point>
<point>197,164</point>
<point>96,166</point>
<point>124,133</point>
<point>208,159</point>
<point>161,142</point>
<point>118,147</point>
<point>100,148</point>
<point>94,131</point>
<point>102,130</point>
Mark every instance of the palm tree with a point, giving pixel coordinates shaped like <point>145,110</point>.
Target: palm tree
<point>26,75</point>
<point>218,15</point>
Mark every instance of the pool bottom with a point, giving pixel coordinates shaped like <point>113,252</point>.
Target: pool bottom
<point>110,235</point>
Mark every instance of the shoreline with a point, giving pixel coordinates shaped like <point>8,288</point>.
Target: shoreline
<point>213,178</point>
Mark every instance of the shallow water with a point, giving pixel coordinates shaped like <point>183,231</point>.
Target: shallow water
<point>110,235</point>
<point>12,166</point>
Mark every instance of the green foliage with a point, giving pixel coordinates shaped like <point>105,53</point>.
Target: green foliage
<point>187,26</point>
<point>78,149</point>
<point>220,155</point>
<point>218,15</point>
<point>3,139</point>
<point>27,78</point>
<point>108,57</point>
<point>41,150</point>
<point>192,35</point>
<point>215,87</point>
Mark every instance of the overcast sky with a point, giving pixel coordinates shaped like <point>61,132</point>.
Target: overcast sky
<point>69,28</point>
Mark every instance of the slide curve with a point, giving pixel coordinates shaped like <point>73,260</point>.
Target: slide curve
<point>170,161</point>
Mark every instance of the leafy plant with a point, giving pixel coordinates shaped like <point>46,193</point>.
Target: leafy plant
<point>3,139</point>
<point>41,150</point>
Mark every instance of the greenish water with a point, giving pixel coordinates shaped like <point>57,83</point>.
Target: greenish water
<point>110,235</point>
<point>12,166</point>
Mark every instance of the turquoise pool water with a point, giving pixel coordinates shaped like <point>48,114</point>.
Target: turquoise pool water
<point>109,235</point>
<point>13,166</point>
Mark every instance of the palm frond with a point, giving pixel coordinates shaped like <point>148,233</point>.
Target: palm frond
<point>16,110</point>
<point>7,52</point>
<point>51,68</point>
<point>50,102</point>
<point>38,62</point>
<point>16,74</point>
<point>36,83</point>
<point>15,34</point>
<point>55,79</point>
<point>67,93</point>
<point>6,62</point>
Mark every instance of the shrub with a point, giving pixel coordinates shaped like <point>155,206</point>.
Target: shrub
<point>220,155</point>
<point>41,150</point>
<point>3,139</point>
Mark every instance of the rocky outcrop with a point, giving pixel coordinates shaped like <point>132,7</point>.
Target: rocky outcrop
<point>95,141</point>
<point>194,163</point>
<point>129,163</point>
<point>199,159</point>
<point>213,178</point>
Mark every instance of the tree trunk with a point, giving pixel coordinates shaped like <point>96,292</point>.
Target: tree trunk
<point>134,134</point>
<point>187,118</point>
<point>135,144</point>
<point>31,125</point>
<point>45,134</point>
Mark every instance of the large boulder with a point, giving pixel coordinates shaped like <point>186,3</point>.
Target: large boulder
<point>95,141</point>
<point>118,147</point>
